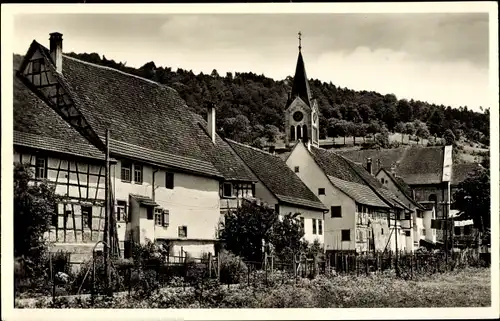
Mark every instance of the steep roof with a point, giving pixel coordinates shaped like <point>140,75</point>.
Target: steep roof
<point>460,172</point>
<point>415,165</point>
<point>300,86</point>
<point>362,194</point>
<point>402,186</point>
<point>147,121</point>
<point>335,165</point>
<point>273,172</point>
<point>38,126</point>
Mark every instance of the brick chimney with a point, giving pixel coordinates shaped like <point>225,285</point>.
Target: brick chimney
<point>56,49</point>
<point>211,121</point>
<point>369,165</point>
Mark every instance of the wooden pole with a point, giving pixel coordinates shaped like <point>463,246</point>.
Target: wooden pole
<point>107,235</point>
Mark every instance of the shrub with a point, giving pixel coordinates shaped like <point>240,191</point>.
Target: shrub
<point>232,268</point>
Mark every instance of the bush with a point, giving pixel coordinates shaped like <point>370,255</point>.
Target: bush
<point>232,268</point>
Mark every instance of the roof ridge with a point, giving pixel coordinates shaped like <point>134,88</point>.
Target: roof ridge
<point>251,147</point>
<point>118,71</point>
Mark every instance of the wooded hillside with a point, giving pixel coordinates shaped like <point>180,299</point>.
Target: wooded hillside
<point>251,106</point>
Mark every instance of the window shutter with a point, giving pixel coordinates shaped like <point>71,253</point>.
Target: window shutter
<point>166,216</point>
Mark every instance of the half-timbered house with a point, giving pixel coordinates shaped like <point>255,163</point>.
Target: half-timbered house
<point>172,170</point>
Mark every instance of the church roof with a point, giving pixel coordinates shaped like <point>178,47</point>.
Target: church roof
<point>147,121</point>
<point>300,86</point>
<point>277,177</point>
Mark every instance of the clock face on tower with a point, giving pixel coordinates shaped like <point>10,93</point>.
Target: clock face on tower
<point>297,116</point>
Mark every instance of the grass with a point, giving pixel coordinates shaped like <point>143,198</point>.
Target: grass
<point>465,288</point>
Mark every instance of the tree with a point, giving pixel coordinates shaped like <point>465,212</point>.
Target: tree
<point>245,229</point>
<point>410,130</point>
<point>34,206</point>
<point>449,137</point>
<point>472,198</point>
<point>400,128</point>
<point>252,225</point>
<point>421,129</point>
<point>286,237</point>
<point>271,133</point>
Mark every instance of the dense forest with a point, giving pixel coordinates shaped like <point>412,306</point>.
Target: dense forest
<point>251,106</point>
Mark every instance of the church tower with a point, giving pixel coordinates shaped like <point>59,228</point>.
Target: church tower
<point>301,110</point>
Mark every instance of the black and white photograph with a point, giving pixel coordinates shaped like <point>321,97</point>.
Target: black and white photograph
<point>289,157</point>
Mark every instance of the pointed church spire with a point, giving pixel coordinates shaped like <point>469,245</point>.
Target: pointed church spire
<point>300,85</point>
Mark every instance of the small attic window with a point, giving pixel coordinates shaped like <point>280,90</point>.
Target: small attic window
<point>37,66</point>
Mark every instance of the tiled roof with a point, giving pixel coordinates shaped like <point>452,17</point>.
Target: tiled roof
<point>147,120</point>
<point>461,171</point>
<point>273,172</point>
<point>360,193</point>
<point>337,166</point>
<point>415,165</point>
<point>38,126</point>
<point>402,186</point>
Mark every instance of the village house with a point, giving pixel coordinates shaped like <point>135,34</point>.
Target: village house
<point>363,215</point>
<point>280,188</point>
<point>421,217</point>
<point>430,175</point>
<point>169,173</point>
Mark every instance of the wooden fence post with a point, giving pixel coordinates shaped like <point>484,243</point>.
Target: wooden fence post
<point>218,266</point>
<point>210,265</point>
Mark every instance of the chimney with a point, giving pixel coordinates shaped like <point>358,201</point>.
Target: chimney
<point>369,165</point>
<point>211,121</point>
<point>56,50</point>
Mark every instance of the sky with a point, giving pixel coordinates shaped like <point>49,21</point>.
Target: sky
<point>440,58</point>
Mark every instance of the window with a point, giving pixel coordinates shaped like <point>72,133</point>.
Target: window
<point>66,216</point>
<point>277,208</point>
<point>360,208</point>
<point>121,211</point>
<point>166,218</point>
<point>227,190</point>
<point>346,235</point>
<point>382,180</point>
<point>55,220</point>
<point>381,231</point>
<point>457,230</point>
<point>182,231</point>
<point>336,211</point>
<point>433,198</point>
<point>87,216</point>
<point>149,211</point>
<point>302,225</point>
<point>321,191</point>
<point>126,171</point>
<point>467,229</point>
<point>423,231</point>
<point>41,167</point>
<point>37,64</point>
<point>169,180</point>
<point>138,174</point>
<point>314,225</point>
<point>320,227</point>
<point>407,233</point>
<point>296,169</point>
<point>158,217</point>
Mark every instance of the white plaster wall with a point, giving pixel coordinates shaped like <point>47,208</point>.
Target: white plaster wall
<point>308,215</point>
<point>193,202</point>
<point>313,177</point>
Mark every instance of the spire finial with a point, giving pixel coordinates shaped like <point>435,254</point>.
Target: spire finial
<point>300,40</point>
